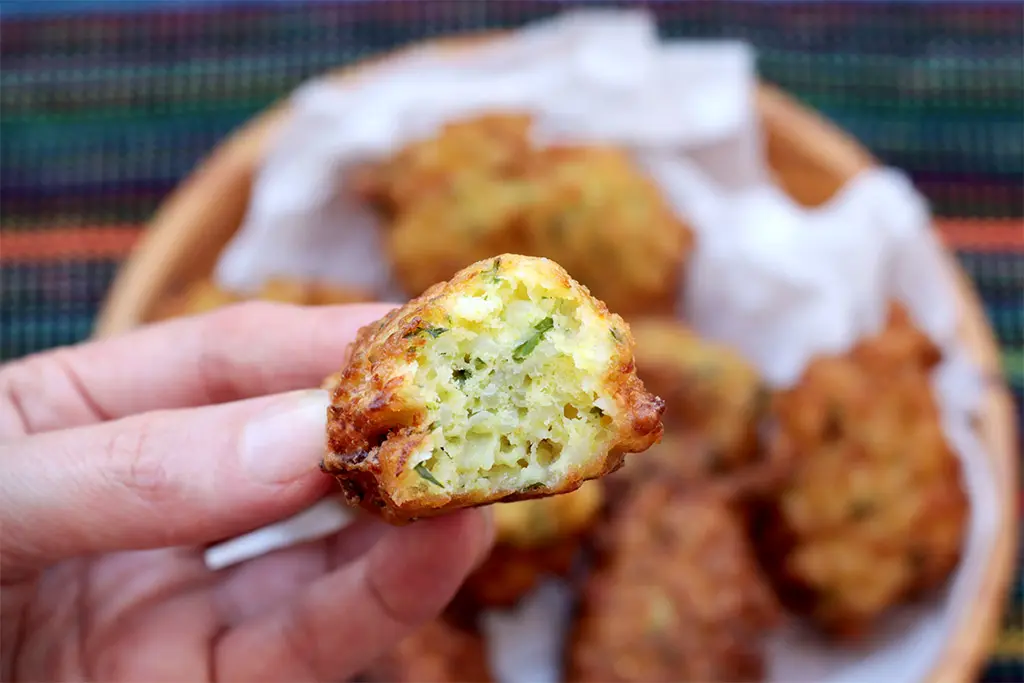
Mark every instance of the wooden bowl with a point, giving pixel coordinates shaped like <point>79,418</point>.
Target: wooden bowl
<point>810,158</point>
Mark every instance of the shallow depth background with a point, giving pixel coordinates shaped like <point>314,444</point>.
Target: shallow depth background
<point>105,106</point>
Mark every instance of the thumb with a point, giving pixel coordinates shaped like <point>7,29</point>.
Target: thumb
<point>167,478</point>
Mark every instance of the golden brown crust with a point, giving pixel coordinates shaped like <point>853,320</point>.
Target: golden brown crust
<point>481,187</point>
<point>875,511</point>
<point>490,144</point>
<point>372,429</point>
<point>675,595</point>
<point>599,215</point>
<point>438,653</point>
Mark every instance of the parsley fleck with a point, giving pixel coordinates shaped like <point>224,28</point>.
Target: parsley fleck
<point>495,269</point>
<point>434,332</point>
<point>422,470</point>
<point>520,353</point>
<point>616,336</point>
<point>461,375</point>
<point>597,411</point>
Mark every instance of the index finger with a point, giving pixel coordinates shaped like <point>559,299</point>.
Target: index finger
<point>242,351</point>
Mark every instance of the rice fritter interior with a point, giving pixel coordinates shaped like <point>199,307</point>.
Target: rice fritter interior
<point>508,382</point>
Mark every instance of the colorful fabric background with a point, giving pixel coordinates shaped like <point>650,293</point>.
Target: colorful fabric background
<point>103,112</point>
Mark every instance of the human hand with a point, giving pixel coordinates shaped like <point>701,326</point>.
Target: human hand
<point>120,460</point>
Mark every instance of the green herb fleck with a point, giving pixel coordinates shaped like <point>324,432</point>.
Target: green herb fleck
<point>616,335</point>
<point>434,332</point>
<point>520,353</point>
<point>433,426</point>
<point>479,364</point>
<point>597,411</point>
<point>461,375</point>
<point>495,269</point>
<point>422,470</point>
<point>534,486</point>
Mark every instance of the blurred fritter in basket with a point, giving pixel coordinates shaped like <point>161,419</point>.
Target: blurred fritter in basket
<point>675,594</point>
<point>875,511</point>
<point>482,187</point>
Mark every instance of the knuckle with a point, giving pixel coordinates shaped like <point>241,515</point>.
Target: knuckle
<point>222,374</point>
<point>139,467</point>
<point>406,614</point>
<point>21,383</point>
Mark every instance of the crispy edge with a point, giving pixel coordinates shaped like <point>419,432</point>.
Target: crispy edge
<point>371,434</point>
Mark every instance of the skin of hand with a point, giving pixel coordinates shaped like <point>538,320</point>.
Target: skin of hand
<point>122,459</point>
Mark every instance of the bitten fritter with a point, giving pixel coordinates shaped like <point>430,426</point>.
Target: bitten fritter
<point>482,186</point>
<point>437,653</point>
<point>205,296</point>
<point>875,511</point>
<point>508,382</point>
<point>675,595</point>
<point>716,404</point>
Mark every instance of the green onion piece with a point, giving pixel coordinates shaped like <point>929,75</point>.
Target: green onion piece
<point>526,348</point>
<point>422,470</point>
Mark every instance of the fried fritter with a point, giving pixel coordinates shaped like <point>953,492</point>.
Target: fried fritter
<point>508,382</point>
<point>595,212</point>
<point>715,404</point>
<point>541,521</point>
<point>676,595</point>
<point>875,511</point>
<point>438,653</point>
<point>493,144</point>
<point>481,187</point>
<point>478,217</point>
<point>510,572</point>
<point>534,538</point>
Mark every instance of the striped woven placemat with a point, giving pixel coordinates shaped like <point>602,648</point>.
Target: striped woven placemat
<point>103,112</point>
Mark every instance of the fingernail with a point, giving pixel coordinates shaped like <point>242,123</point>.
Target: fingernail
<point>286,440</point>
